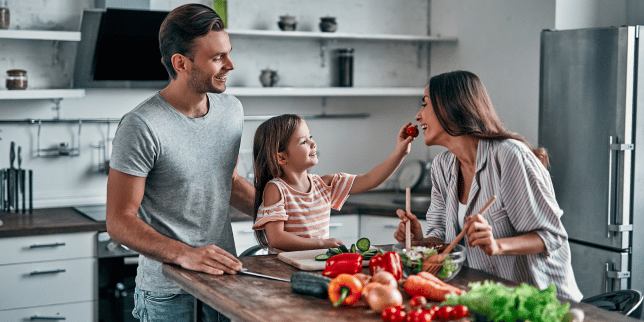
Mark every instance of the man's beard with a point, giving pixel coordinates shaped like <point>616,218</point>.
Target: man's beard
<point>201,83</point>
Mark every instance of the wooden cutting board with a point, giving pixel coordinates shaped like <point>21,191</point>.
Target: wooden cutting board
<point>305,259</point>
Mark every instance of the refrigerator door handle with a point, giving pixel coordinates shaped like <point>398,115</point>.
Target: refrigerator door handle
<point>611,274</point>
<point>613,146</point>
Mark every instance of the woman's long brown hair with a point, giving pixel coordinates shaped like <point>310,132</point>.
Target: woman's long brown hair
<point>271,137</point>
<point>463,107</point>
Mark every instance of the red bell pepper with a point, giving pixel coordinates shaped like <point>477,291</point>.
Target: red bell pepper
<point>389,261</point>
<point>349,263</point>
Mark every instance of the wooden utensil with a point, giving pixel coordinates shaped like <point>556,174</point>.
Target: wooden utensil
<point>434,263</point>
<point>408,224</point>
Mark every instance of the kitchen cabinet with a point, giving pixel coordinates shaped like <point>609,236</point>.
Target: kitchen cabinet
<point>49,276</point>
<point>40,35</point>
<point>380,229</point>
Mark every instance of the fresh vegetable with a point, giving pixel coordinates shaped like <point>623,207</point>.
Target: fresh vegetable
<point>363,244</point>
<point>444,313</point>
<point>412,131</point>
<point>322,257</point>
<point>429,286</point>
<point>353,248</point>
<point>499,302</point>
<point>385,278</point>
<point>345,289</point>
<point>419,315</point>
<point>389,261</point>
<point>417,301</point>
<point>364,278</point>
<point>310,284</point>
<point>460,311</point>
<point>413,261</point>
<point>393,314</point>
<point>383,296</point>
<point>343,249</point>
<point>349,263</point>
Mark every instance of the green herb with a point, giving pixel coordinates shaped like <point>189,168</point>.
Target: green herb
<point>448,268</point>
<point>501,303</point>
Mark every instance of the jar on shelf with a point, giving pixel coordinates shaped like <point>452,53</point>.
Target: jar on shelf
<point>4,15</point>
<point>16,79</point>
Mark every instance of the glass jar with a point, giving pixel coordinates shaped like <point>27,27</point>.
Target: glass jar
<point>16,79</point>
<point>4,15</point>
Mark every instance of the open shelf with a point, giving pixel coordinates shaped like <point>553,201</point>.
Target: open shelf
<point>338,35</point>
<point>41,35</point>
<point>323,91</point>
<point>18,94</point>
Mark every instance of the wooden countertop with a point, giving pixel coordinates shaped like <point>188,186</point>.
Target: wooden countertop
<point>248,298</point>
<point>47,221</point>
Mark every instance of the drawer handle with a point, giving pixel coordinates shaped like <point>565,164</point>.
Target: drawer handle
<point>46,245</point>
<point>55,271</point>
<point>391,226</point>
<point>49,318</point>
<point>335,224</point>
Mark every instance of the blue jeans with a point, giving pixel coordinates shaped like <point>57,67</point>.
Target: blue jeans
<point>156,307</point>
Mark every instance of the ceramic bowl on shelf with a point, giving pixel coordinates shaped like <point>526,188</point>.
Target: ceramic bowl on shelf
<point>412,262</point>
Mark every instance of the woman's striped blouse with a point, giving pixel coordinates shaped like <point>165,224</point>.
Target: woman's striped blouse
<point>526,203</point>
<point>306,214</point>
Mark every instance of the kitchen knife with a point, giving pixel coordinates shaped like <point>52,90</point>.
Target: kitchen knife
<point>245,271</point>
<point>21,181</point>
<point>12,157</point>
<point>31,191</point>
<point>2,204</point>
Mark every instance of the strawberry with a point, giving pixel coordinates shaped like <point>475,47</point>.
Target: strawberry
<point>412,131</point>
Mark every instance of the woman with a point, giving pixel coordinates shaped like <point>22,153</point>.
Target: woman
<point>520,237</point>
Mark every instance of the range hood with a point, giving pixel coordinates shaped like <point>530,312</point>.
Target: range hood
<point>119,48</point>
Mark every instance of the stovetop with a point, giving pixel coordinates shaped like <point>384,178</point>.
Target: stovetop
<point>96,212</point>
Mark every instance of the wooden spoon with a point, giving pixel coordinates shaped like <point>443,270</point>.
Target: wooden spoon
<point>408,223</point>
<point>434,263</point>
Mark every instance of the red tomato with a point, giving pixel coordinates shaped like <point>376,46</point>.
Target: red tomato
<point>419,315</point>
<point>393,314</point>
<point>444,313</point>
<point>417,300</point>
<point>460,311</point>
<point>412,131</point>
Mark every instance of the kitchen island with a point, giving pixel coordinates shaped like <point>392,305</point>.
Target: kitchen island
<point>248,298</point>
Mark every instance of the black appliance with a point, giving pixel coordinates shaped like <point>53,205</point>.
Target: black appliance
<point>116,273</point>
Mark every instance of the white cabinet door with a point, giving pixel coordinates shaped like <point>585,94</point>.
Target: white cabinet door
<point>84,311</point>
<point>345,228</point>
<point>46,283</point>
<point>47,247</point>
<point>380,229</point>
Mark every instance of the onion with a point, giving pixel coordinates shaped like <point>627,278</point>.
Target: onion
<point>385,278</point>
<point>381,297</point>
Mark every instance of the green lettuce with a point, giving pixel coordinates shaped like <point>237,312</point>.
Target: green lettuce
<point>501,303</point>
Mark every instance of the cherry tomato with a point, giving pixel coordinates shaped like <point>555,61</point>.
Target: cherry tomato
<point>444,313</point>
<point>419,315</point>
<point>460,311</point>
<point>417,300</point>
<point>393,314</point>
<point>412,131</point>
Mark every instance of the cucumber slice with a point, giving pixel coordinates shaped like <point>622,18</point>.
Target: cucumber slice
<point>321,257</point>
<point>343,249</point>
<point>363,244</point>
<point>336,250</point>
<point>353,248</point>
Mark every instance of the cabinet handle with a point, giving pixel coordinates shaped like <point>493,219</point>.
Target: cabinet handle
<point>46,245</point>
<point>391,226</point>
<point>335,224</point>
<point>55,271</point>
<point>49,318</point>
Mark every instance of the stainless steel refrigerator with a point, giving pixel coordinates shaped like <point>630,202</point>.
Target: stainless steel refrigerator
<point>591,121</point>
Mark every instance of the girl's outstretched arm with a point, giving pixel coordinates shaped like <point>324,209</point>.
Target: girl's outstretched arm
<point>384,170</point>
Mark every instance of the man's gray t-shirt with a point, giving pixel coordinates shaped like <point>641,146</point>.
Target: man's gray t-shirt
<point>188,164</point>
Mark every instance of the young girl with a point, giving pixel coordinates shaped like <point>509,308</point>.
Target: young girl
<point>292,207</point>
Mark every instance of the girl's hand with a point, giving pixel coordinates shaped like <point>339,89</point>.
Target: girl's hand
<point>331,242</point>
<point>404,140</point>
<point>479,233</point>
<point>416,229</point>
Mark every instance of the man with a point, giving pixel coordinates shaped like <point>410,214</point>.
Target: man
<point>173,168</point>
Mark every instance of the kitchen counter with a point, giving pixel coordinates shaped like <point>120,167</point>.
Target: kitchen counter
<point>47,221</point>
<point>247,298</point>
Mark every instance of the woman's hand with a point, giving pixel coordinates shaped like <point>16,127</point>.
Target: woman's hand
<point>479,233</point>
<point>416,229</point>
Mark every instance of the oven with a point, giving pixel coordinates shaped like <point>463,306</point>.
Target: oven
<point>116,273</point>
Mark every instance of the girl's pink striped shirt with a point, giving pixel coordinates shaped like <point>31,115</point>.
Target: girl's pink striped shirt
<point>306,214</point>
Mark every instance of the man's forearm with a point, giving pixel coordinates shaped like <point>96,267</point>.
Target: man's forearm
<point>242,195</point>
